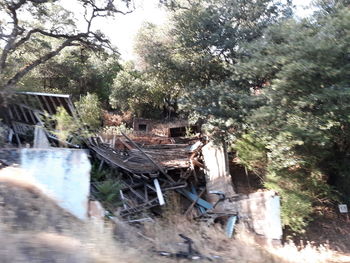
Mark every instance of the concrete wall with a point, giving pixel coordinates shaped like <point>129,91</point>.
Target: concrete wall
<point>217,175</point>
<point>261,213</point>
<point>63,174</point>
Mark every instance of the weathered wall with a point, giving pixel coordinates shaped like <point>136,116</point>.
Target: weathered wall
<point>217,175</point>
<point>260,212</point>
<point>61,173</point>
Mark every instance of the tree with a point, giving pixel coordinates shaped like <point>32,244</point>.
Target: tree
<point>76,71</point>
<point>136,92</point>
<point>34,31</point>
<point>281,96</point>
<point>196,54</point>
<point>304,120</point>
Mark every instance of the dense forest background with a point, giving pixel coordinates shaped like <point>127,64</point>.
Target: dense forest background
<point>273,86</point>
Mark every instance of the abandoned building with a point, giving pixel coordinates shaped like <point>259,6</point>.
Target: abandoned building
<point>151,166</point>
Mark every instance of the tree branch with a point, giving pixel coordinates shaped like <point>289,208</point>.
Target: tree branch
<point>14,33</point>
<point>25,70</point>
<point>18,35</point>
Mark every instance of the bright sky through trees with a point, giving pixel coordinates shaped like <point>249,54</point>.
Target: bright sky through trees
<point>123,28</point>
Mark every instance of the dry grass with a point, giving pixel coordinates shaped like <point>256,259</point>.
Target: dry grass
<point>34,229</point>
<point>210,241</point>
<point>309,253</point>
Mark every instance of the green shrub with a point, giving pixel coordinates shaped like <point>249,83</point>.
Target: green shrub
<point>251,153</point>
<point>2,134</point>
<point>108,193</point>
<point>295,177</point>
<point>65,125</point>
<point>90,112</point>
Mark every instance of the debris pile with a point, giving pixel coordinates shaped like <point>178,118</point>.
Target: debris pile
<point>150,171</point>
<point>151,166</point>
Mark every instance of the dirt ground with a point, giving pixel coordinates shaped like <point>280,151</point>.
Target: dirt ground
<point>34,229</point>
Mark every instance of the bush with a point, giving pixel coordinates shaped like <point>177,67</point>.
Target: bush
<point>90,112</point>
<point>251,153</point>
<point>294,177</point>
<point>65,125</point>
<point>107,184</point>
<point>2,134</point>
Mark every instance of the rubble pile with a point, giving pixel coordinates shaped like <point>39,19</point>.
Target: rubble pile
<point>151,166</point>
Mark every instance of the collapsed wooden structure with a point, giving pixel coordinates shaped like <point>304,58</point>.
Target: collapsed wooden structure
<point>151,168</point>
<point>149,171</point>
<point>25,110</point>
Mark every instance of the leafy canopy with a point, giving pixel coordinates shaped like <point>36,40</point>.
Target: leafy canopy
<point>34,31</point>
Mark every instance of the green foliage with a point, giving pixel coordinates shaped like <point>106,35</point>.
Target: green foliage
<point>189,59</point>
<point>33,32</point>
<point>73,130</point>
<point>136,92</point>
<point>251,153</point>
<point>108,193</point>
<point>90,112</point>
<point>108,186</point>
<point>75,71</point>
<point>218,28</point>
<point>296,178</point>
<point>296,202</point>
<point>65,125</point>
<point>303,119</point>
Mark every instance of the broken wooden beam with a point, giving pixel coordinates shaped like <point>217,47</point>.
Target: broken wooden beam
<point>159,192</point>
<point>149,158</point>
<point>194,202</point>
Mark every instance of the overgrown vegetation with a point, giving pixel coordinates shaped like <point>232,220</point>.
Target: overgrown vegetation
<point>273,86</point>
<point>107,186</point>
<point>90,111</point>
<point>62,125</point>
<point>302,126</point>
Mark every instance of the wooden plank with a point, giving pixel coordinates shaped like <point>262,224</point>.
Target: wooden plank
<point>159,192</point>
<point>150,159</point>
<point>126,144</point>
<point>230,226</point>
<point>135,192</point>
<point>193,190</point>
<point>217,173</point>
